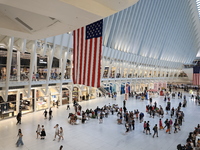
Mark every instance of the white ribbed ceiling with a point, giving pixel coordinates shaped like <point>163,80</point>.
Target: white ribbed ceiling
<point>159,29</point>
<point>198,6</point>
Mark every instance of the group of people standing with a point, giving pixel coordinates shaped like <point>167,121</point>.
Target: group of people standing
<point>168,123</point>
<point>58,133</point>
<point>40,131</point>
<point>50,114</point>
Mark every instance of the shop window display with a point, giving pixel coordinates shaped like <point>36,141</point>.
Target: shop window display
<point>54,99</point>
<point>8,109</point>
<point>41,103</point>
<point>26,104</point>
<point>75,94</point>
<point>65,96</point>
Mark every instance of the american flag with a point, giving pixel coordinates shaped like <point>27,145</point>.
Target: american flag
<point>87,44</point>
<point>196,75</point>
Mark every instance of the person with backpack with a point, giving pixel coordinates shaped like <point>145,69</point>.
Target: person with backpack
<point>141,116</point>
<point>165,123</point>
<point>155,129</point>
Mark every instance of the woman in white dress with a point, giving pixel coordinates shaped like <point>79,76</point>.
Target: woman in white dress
<point>61,134</point>
<point>38,131</point>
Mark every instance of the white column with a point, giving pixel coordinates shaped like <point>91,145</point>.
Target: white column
<point>60,98</point>
<point>49,64</point>
<point>35,98</point>
<point>70,97</point>
<point>48,98</point>
<point>60,65</point>
<point>135,87</point>
<point>8,66</point>
<point>35,66</point>
<point>18,66</point>
<point>139,87</point>
<point>17,101</point>
<point>32,63</point>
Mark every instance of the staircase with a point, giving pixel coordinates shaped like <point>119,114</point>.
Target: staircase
<point>102,90</point>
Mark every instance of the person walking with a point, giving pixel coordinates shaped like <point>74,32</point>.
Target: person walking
<point>101,118</point>
<point>61,147</point>
<point>166,121</point>
<point>148,129</point>
<point>38,130</point>
<point>175,126</point>
<point>168,127</point>
<point>61,134</point>
<point>133,124</point>
<point>172,112</point>
<point>141,116</point>
<point>43,133</point>
<point>127,127</point>
<point>155,129</point>
<point>19,141</point>
<point>45,114</point>
<point>145,127</point>
<point>57,103</point>
<point>124,103</point>
<point>68,107</point>
<point>19,117</point>
<point>50,113</point>
<point>150,100</point>
<point>160,124</point>
<point>56,131</point>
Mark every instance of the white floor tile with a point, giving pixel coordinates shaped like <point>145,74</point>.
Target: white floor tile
<point>94,136</point>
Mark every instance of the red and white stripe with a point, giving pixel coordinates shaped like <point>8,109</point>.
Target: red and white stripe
<point>86,59</point>
<point>196,79</point>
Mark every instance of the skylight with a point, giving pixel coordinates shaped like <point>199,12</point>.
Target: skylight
<point>198,6</point>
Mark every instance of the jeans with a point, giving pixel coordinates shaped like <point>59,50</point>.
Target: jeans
<point>19,141</point>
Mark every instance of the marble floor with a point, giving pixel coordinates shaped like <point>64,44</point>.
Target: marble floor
<point>94,136</point>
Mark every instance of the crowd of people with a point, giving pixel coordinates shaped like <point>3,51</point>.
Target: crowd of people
<point>127,117</point>
<point>193,140</point>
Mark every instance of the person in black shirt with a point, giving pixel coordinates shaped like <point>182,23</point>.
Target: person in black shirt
<point>148,128</point>
<point>50,113</point>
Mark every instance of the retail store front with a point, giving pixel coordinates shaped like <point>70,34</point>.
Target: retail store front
<point>8,109</point>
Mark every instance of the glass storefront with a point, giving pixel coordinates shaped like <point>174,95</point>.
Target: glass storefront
<point>75,94</point>
<point>54,99</point>
<point>65,96</point>
<point>8,109</point>
<point>41,101</point>
<point>26,104</point>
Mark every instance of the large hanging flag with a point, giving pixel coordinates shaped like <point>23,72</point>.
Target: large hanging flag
<point>196,75</point>
<point>87,44</point>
